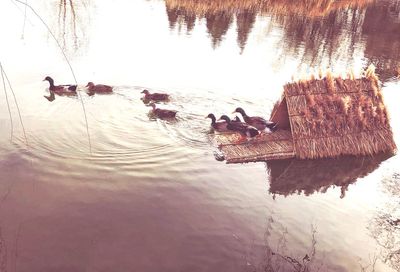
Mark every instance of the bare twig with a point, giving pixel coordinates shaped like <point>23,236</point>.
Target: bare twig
<point>8,103</point>
<point>4,74</point>
<point>68,62</point>
<point>17,235</point>
<point>23,26</point>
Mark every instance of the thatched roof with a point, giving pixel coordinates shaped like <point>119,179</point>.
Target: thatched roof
<point>320,118</point>
<point>296,176</point>
<point>330,117</point>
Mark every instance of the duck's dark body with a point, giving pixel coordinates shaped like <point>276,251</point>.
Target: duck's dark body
<point>256,121</point>
<point>98,88</point>
<point>162,113</point>
<point>242,128</point>
<point>155,96</point>
<point>219,126</point>
<point>62,90</point>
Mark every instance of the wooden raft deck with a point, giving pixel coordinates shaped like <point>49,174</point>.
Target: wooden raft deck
<point>270,146</point>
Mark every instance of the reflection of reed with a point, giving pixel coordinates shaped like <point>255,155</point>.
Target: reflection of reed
<point>68,20</point>
<point>309,176</point>
<point>385,226</point>
<point>220,14</point>
<point>62,13</point>
<point>315,30</point>
<point>309,8</point>
<point>381,31</point>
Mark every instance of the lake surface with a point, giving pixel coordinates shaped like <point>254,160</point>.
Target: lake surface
<point>149,195</point>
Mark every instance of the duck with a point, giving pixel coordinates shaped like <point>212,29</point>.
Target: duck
<point>162,113</point>
<point>64,90</point>
<point>244,129</point>
<point>98,88</point>
<point>155,96</point>
<point>256,121</point>
<point>219,126</point>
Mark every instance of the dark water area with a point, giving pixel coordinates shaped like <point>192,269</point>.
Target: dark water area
<point>148,194</point>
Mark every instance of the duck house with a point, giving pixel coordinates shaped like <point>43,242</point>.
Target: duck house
<point>320,118</point>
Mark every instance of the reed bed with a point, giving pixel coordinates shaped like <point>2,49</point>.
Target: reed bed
<point>309,8</point>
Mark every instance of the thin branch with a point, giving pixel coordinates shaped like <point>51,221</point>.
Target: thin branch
<point>23,26</point>
<point>69,64</point>
<point>17,236</point>
<point>4,74</point>
<point>8,103</point>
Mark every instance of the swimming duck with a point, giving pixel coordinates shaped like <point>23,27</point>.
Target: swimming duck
<point>219,126</point>
<point>256,121</point>
<point>161,113</point>
<point>98,88</point>
<point>155,96</point>
<point>67,90</point>
<point>243,128</point>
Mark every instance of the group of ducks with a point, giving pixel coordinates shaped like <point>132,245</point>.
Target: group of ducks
<point>158,97</point>
<point>91,88</point>
<point>70,90</point>
<point>251,127</point>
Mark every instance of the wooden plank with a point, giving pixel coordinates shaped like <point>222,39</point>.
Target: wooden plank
<point>269,146</point>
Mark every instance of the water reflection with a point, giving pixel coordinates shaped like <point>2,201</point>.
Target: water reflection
<point>385,226</point>
<point>382,37</point>
<point>72,21</point>
<point>318,32</point>
<point>300,176</point>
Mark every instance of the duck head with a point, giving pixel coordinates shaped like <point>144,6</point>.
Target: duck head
<point>237,119</point>
<point>240,110</point>
<point>152,105</point>
<point>145,92</point>
<point>90,84</point>
<point>226,118</point>
<point>50,80</point>
<point>212,117</point>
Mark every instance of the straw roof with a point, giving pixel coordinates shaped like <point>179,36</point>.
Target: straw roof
<point>296,176</point>
<point>320,118</point>
<point>330,117</point>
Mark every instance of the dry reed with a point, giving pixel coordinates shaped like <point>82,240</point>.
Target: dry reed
<point>336,116</point>
<point>309,8</point>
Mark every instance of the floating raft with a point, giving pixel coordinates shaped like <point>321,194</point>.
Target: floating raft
<point>272,146</point>
<point>320,118</point>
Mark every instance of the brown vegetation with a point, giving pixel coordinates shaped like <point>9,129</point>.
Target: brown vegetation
<point>310,8</point>
<point>321,118</point>
<point>335,116</point>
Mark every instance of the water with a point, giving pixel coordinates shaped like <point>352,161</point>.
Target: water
<point>149,195</point>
